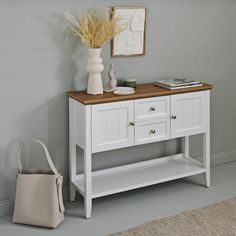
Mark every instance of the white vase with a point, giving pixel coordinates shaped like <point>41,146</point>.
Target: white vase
<point>95,68</point>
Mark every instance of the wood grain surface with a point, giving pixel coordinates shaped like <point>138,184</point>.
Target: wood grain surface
<point>141,91</point>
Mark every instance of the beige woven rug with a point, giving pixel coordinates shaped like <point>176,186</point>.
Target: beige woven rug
<point>216,219</point>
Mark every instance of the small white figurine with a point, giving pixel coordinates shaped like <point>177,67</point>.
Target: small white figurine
<point>112,80</point>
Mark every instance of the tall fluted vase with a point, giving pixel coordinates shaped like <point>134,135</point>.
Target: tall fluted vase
<point>95,68</point>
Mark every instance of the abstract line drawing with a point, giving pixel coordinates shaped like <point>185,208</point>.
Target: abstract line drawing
<point>131,41</point>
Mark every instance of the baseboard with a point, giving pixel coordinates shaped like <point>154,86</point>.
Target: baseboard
<point>224,157</point>
<point>7,206</point>
<point>220,158</point>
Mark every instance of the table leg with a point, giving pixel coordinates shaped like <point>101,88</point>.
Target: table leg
<point>206,157</point>
<point>206,143</point>
<point>72,154</point>
<point>87,184</point>
<point>72,170</point>
<point>185,146</point>
<point>88,165</point>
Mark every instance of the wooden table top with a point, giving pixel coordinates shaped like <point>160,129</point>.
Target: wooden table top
<point>141,91</point>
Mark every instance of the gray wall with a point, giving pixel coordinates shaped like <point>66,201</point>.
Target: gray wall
<point>190,38</point>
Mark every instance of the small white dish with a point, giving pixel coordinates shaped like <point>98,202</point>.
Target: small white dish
<point>124,91</point>
<point>117,92</point>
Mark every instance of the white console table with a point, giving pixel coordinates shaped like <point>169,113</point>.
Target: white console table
<point>107,122</point>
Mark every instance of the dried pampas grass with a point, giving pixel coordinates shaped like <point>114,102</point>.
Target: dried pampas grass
<point>95,28</point>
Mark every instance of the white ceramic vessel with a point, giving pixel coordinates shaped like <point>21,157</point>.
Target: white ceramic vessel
<point>95,68</point>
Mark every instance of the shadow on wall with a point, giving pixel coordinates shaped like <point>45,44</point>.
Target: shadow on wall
<point>72,67</point>
<point>72,53</point>
<point>8,168</point>
<point>49,120</point>
<point>69,76</point>
<point>58,138</point>
<point>68,48</point>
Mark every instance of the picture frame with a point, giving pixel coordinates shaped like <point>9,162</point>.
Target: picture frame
<point>131,41</point>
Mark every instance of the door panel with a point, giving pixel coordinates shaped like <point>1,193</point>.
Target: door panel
<point>188,114</point>
<point>111,127</point>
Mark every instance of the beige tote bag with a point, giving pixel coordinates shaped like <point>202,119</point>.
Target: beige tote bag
<point>39,195</point>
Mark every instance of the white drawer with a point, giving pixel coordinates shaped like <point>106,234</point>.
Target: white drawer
<point>152,108</point>
<point>152,131</point>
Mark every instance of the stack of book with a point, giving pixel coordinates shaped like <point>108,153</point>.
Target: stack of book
<point>177,83</point>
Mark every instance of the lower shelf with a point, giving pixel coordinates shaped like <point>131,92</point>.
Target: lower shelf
<point>133,176</point>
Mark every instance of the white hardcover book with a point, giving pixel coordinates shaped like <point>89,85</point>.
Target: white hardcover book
<point>177,83</point>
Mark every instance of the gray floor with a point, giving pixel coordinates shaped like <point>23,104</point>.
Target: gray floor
<point>126,210</point>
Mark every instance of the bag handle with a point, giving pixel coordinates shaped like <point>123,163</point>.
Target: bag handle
<point>53,168</point>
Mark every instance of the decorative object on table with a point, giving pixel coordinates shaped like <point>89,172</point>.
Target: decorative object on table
<point>131,41</point>
<point>39,195</point>
<point>130,83</point>
<point>124,91</point>
<point>95,28</point>
<point>120,82</point>
<point>112,77</point>
<point>112,83</point>
<point>95,68</point>
<point>177,83</point>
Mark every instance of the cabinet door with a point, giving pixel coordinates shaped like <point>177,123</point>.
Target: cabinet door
<point>188,113</point>
<point>112,125</point>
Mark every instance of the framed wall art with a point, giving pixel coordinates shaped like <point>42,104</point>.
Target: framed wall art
<point>131,41</point>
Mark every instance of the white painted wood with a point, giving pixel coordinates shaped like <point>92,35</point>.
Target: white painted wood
<point>152,108</point>
<point>206,142</point>
<point>185,146</point>
<point>88,164</point>
<point>152,131</point>
<point>190,111</point>
<point>96,128</point>
<point>79,124</point>
<point>72,149</point>
<point>194,160</point>
<point>82,193</point>
<point>72,192</point>
<point>131,166</point>
<point>111,127</point>
<point>146,173</point>
<point>206,157</point>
